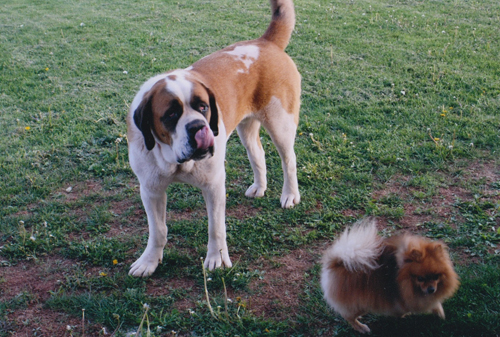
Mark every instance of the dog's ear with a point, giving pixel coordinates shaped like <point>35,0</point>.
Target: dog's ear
<point>143,119</point>
<point>214,113</point>
<point>413,256</point>
<point>438,248</point>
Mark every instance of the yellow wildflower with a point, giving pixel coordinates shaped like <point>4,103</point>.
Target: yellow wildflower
<point>27,128</point>
<point>115,262</point>
<point>103,274</point>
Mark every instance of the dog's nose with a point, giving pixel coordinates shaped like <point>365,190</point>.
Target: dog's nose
<point>431,290</point>
<point>193,127</point>
<point>200,135</point>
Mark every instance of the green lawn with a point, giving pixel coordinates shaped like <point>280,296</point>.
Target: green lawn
<point>400,119</point>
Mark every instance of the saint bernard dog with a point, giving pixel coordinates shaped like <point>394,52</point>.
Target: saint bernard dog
<point>179,123</point>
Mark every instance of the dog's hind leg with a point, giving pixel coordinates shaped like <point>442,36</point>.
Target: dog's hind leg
<point>155,204</point>
<point>282,128</point>
<point>248,131</point>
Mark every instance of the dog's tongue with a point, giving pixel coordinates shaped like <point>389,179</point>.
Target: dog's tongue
<point>204,138</point>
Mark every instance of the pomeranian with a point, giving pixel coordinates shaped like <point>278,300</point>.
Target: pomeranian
<point>365,273</point>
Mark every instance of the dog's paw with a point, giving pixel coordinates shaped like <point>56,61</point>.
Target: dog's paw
<point>255,191</point>
<point>217,259</point>
<point>360,327</point>
<point>145,265</point>
<point>288,200</point>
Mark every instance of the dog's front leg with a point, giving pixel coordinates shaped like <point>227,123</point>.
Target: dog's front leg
<point>155,204</point>
<point>215,199</point>
<point>438,310</point>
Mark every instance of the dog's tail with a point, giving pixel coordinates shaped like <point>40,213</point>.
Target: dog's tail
<point>357,249</point>
<point>283,21</point>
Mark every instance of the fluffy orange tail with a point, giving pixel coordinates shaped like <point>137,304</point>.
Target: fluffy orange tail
<point>357,249</point>
<point>283,21</point>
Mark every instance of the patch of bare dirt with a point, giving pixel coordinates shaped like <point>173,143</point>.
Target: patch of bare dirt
<point>75,191</point>
<point>242,211</point>
<point>31,283</point>
<point>352,213</point>
<point>277,294</point>
<point>38,321</point>
<point>440,207</point>
<point>162,287</point>
<point>36,279</point>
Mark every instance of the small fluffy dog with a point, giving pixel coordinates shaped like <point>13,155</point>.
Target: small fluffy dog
<point>364,273</point>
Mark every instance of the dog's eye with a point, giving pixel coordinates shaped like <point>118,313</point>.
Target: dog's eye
<point>202,107</point>
<point>434,277</point>
<point>420,279</point>
<point>173,112</point>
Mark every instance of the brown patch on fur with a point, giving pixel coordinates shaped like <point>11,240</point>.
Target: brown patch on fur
<point>205,95</point>
<point>161,101</point>
<point>241,94</point>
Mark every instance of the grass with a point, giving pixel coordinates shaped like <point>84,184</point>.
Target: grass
<point>400,119</point>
